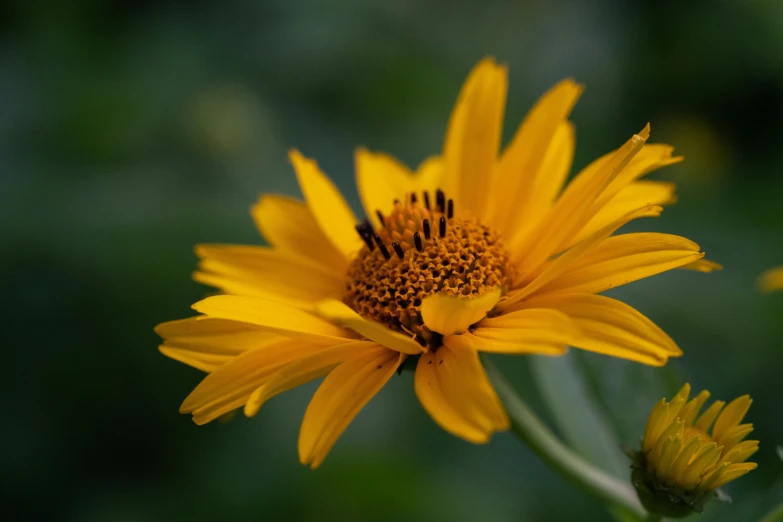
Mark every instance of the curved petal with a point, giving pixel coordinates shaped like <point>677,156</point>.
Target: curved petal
<point>731,416</point>
<point>454,389</point>
<point>611,327</point>
<point>473,135</point>
<point>429,174</point>
<point>302,371</point>
<point>343,393</point>
<point>290,226</point>
<point>569,212</point>
<point>381,179</point>
<point>703,265</point>
<point>266,273</point>
<point>535,164</point>
<point>333,214</point>
<point>771,280</point>
<point>230,386</point>
<point>339,313</point>
<point>273,317</point>
<point>625,258</point>
<point>449,315</point>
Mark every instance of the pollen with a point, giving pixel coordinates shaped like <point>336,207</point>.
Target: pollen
<point>422,250</point>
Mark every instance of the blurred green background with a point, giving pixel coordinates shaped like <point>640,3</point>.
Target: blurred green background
<point>129,131</point>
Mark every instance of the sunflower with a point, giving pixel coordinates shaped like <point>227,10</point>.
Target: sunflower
<point>475,250</point>
<point>771,280</point>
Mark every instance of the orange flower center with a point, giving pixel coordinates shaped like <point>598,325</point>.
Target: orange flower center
<point>422,250</point>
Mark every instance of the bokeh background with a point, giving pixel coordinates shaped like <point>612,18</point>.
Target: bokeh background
<point>129,131</point>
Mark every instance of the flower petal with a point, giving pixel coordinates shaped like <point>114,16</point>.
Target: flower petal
<point>536,162</point>
<point>703,265</point>
<point>302,371</point>
<point>381,179</point>
<point>611,327</point>
<point>449,315</point>
<point>290,226</point>
<point>454,389</point>
<point>230,386</point>
<point>771,280</point>
<point>343,393</point>
<point>529,331</point>
<point>266,273</point>
<point>625,258</point>
<point>272,316</point>
<point>340,313</point>
<point>330,210</point>
<point>731,416</point>
<point>473,136</point>
<point>733,472</point>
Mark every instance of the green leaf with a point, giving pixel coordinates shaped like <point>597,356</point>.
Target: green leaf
<point>577,413</point>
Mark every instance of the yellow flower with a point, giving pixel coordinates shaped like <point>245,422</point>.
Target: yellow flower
<point>477,250</point>
<point>771,280</point>
<point>683,460</point>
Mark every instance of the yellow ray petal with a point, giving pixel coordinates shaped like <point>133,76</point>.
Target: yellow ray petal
<point>332,213</point>
<point>568,215</point>
<point>453,388</point>
<point>741,452</point>
<point>625,258</point>
<point>304,370</point>
<point>706,457</point>
<point>450,315</point>
<point>229,386</point>
<point>734,472</point>
<point>381,179</point>
<point>705,419</point>
<point>473,135</point>
<point>272,316</point>
<point>731,415</point>
<point>536,162</point>
<point>340,313</point>
<point>529,331</point>
<point>690,410</point>
<point>684,458</point>
<point>703,265</point>
<point>631,197</point>
<point>289,225</point>
<point>339,399</point>
<point>429,174</point>
<point>653,424</point>
<point>732,436</point>
<point>771,280</point>
<point>711,477</point>
<point>611,327</point>
<point>266,273</point>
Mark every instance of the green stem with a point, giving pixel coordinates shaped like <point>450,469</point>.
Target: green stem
<point>776,515</point>
<point>545,444</point>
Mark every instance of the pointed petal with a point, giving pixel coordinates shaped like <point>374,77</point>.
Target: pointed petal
<point>473,136</point>
<point>771,280</point>
<point>450,315</point>
<point>741,452</point>
<point>625,258</point>
<point>266,273</point>
<point>333,214</point>
<point>340,313</point>
<point>339,399</point>
<point>703,265</point>
<point>733,472</point>
<point>381,179</point>
<point>272,316</point>
<point>731,416</point>
<point>290,226</point>
<point>454,389</point>
<point>705,419</point>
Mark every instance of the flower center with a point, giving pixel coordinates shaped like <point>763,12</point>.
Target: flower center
<point>419,251</point>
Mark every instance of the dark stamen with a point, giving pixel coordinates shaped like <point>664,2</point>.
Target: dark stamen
<point>417,241</point>
<point>413,198</point>
<point>440,200</point>
<point>382,247</point>
<point>426,199</point>
<point>425,225</point>
<point>365,235</point>
<point>396,201</point>
<point>442,227</point>
<point>451,209</point>
<point>398,249</point>
<point>380,216</point>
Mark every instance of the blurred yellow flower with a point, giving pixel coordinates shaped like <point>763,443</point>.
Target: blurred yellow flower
<point>684,459</point>
<point>477,250</point>
<point>771,280</point>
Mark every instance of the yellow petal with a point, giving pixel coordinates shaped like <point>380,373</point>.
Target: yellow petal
<point>229,386</point>
<point>429,174</point>
<point>625,258</point>
<point>266,273</point>
<point>680,464</point>
<point>340,313</point>
<point>629,198</point>
<point>304,370</point>
<point>339,399</point>
<point>712,477</point>
<point>706,457</point>
<point>705,419</point>
<point>290,226</point>
<point>272,316</point>
<point>450,315</point>
<point>690,410</point>
<point>733,472</point>
<point>771,280</point>
<point>741,452</point>
<point>381,179</point>
<point>703,265</point>
<point>529,331</point>
<point>653,424</point>
<point>567,216</point>
<point>473,136</point>
<point>536,162</point>
<point>731,416</point>
<point>669,453</point>
<point>453,388</point>
<point>732,436</point>
<point>611,327</point>
<point>332,213</point>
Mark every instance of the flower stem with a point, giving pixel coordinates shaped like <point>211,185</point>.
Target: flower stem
<point>531,430</point>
